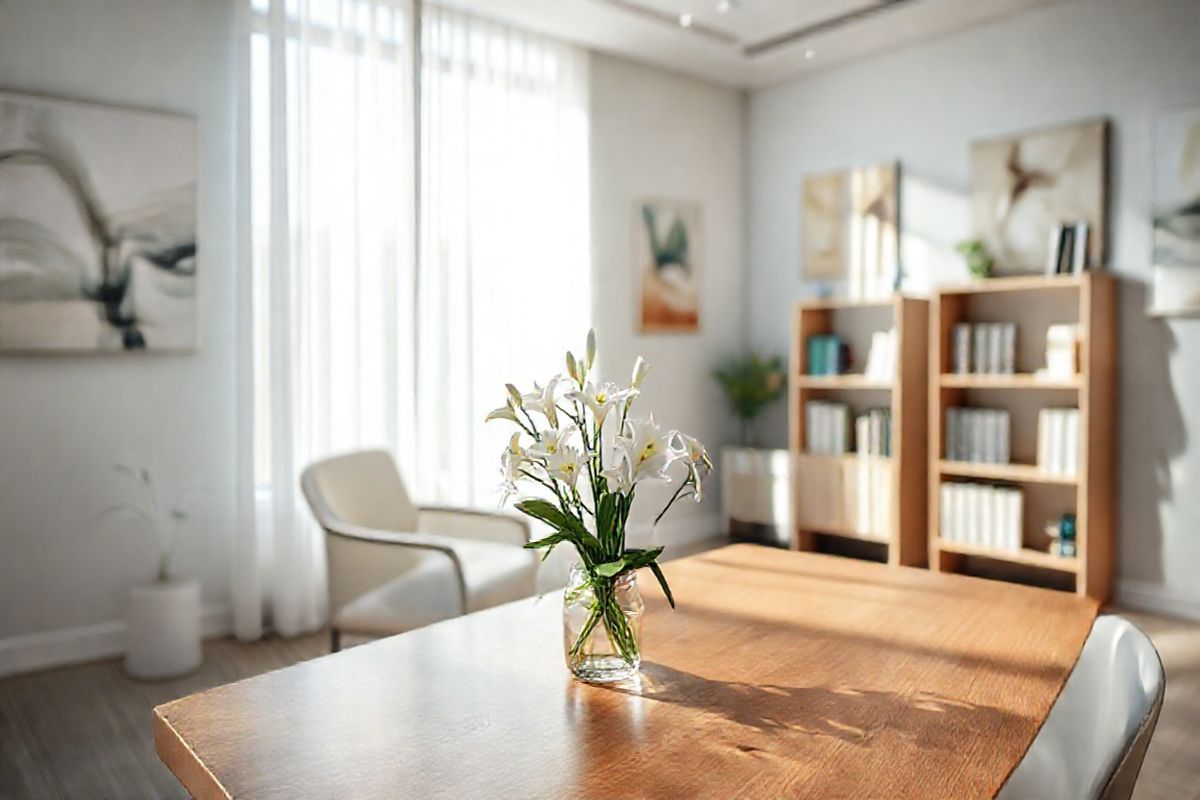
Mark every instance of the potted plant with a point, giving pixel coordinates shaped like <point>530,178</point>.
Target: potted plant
<point>163,620</point>
<point>581,455</point>
<point>754,482</point>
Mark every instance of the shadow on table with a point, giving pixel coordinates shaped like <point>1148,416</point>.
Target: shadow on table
<point>856,716</point>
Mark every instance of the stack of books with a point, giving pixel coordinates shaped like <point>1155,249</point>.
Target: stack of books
<point>827,427</point>
<point>827,355</point>
<point>1058,441</point>
<point>982,515</point>
<point>873,433</point>
<point>984,348</point>
<point>978,435</point>
<point>881,358</point>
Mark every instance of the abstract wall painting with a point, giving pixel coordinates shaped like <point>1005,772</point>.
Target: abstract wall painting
<point>851,229</point>
<point>667,237</point>
<point>1022,186</point>
<point>1176,257</point>
<point>97,228</point>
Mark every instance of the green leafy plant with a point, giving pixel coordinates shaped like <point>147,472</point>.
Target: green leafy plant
<point>751,384</point>
<point>979,262</point>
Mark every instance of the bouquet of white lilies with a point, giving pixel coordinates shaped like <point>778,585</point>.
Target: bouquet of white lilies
<point>579,448</point>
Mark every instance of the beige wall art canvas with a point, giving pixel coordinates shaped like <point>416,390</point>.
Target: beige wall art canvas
<point>1176,286</point>
<point>851,229</point>
<point>97,228</point>
<point>1024,185</point>
<point>667,239</point>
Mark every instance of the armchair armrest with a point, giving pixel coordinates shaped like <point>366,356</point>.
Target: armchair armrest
<point>467,523</point>
<point>359,559</point>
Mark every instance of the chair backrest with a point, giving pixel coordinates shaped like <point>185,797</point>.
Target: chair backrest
<point>362,488</point>
<point>1092,743</point>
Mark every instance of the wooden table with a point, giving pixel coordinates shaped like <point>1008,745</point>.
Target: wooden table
<point>780,675</point>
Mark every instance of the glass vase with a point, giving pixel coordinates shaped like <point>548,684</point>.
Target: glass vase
<point>602,626</point>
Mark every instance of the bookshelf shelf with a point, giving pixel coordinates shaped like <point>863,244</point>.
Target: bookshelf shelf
<point>826,488</point>
<point>952,380</point>
<point>1087,300</point>
<point>849,381</point>
<point>1013,473</point>
<point>1026,556</point>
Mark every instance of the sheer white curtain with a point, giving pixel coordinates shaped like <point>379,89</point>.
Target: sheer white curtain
<point>327,179</point>
<point>504,284</point>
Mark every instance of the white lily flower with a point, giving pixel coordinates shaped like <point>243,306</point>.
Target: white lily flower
<point>619,473</point>
<point>503,412</point>
<point>551,442</point>
<point>603,399</point>
<point>648,449</point>
<point>699,463</point>
<point>564,465</point>
<point>512,461</point>
<point>542,400</point>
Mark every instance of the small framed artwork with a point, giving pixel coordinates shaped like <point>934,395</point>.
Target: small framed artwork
<point>1175,289</point>
<point>1025,185</point>
<point>667,262</point>
<point>97,228</point>
<point>851,229</point>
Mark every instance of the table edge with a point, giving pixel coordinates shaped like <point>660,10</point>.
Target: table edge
<point>185,765</point>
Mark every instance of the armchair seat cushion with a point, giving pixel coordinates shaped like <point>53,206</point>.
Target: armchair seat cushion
<point>428,592</point>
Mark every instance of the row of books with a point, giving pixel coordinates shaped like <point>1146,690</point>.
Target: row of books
<point>1067,250</point>
<point>982,515</point>
<point>1058,440</point>
<point>827,355</point>
<point>873,432</point>
<point>978,435</point>
<point>881,357</point>
<point>985,348</point>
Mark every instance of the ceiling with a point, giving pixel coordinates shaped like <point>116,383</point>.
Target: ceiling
<point>746,43</point>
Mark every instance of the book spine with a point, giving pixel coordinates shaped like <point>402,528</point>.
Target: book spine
<point>962,348</point>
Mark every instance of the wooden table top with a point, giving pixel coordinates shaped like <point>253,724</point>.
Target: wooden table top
<point>780,675</point>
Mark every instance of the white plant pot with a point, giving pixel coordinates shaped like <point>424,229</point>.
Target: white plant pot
<point>163,630</point>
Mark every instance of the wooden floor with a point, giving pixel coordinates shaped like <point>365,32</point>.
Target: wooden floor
<point>85,732</point>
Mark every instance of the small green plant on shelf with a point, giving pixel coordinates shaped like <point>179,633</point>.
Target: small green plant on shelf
<point>751,384</point>
<point>979,262</point>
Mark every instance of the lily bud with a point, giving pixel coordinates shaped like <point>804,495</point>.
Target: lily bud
<point>571,366</point>
<point>591,347</point>
<point>514,394</point>
<point>640,368</point>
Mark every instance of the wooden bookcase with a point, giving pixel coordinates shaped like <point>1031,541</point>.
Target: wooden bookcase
<point>823,485</point>
<point>1033,303</point>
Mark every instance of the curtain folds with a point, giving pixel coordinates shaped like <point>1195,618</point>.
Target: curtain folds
<point>353,335</point>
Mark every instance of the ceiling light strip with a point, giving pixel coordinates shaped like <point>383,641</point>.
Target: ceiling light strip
<point>824,26</point>
<point>673,21</point>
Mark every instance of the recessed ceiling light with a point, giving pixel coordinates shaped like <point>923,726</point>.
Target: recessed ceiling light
<point>810,54</point>
<point>685,20</point>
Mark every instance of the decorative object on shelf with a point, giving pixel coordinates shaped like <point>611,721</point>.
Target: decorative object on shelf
<point>982,515</point>
<point>1062,351</point>
<point>667,237</point>
<point>97,227</point>
<point>585,455</point>
<point>984,348</point>
<point>163,622</point>
<point>1024,185</point>
<point>1068,249</point>
<point>751,384</point>
<point>1176,259</point>
<point>852,229</point>
<point>827,355</point>
<point>975,254</point>
<point>1061,533</point>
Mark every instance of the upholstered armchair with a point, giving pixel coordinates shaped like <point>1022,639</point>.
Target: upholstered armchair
<point>393,566</point>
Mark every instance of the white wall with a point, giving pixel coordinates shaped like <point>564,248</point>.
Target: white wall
<point>1122,59</point>
<point>65,420</point>
<point>661,135</point>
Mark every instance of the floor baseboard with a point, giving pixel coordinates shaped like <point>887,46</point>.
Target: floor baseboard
<point>1156,599</point>
<point>38,651</point>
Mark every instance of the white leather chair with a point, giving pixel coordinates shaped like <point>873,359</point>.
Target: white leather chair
<point>393,566</point>
<point>1093,742</point>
